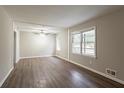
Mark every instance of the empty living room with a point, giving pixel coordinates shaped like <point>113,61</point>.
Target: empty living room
<point>61,46</point>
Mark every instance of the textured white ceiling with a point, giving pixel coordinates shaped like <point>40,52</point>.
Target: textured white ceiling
<point>59,16</point>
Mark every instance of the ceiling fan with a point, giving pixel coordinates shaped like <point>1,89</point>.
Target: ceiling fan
<point>42,32</point>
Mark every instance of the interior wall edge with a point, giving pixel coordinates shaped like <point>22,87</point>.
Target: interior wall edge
<point>93,70</point>
<point>18,60</point>
<point>68,44</point>
<point>1,83</point>
<point>6,48</point>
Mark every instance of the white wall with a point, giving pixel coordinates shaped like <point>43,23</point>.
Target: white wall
<point>110,52</point>
<point>62,42</point>
<point>17,45</point>
<point>6,45</point>
<point>110,36</point>
<point>32,45</point>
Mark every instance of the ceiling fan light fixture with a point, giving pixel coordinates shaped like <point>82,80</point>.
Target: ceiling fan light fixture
<point>42,34</point>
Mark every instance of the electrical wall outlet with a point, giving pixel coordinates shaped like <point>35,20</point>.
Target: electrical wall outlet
<point>108,71</point>
<point>111,72</point>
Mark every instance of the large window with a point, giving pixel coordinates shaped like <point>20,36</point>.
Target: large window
<point>84,42</point>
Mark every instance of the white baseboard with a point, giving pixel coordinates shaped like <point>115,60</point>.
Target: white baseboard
<point>1,83</point>
<point>62,58</point>
<point>36,56</point>
<point>17,60</point>
<point>93,70</point>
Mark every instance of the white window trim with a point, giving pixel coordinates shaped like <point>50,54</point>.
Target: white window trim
<point>72,42</point>
<point>85,30</point>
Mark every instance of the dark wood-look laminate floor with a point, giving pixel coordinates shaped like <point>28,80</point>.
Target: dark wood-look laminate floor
<point>52,72</point>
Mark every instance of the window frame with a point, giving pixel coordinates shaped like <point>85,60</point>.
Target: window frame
<point>81,32</point>
<point>72,42</point>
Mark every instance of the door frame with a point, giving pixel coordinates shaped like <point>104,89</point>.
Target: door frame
<point>14,48</point>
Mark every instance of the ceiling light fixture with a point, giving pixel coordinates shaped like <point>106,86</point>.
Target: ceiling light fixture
<point>43,32</point>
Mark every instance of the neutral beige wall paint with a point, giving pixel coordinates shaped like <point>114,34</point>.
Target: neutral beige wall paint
<point>35,45</point>
<point>62,38</point>
<point>6,44</point>
<point>110,36</point>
